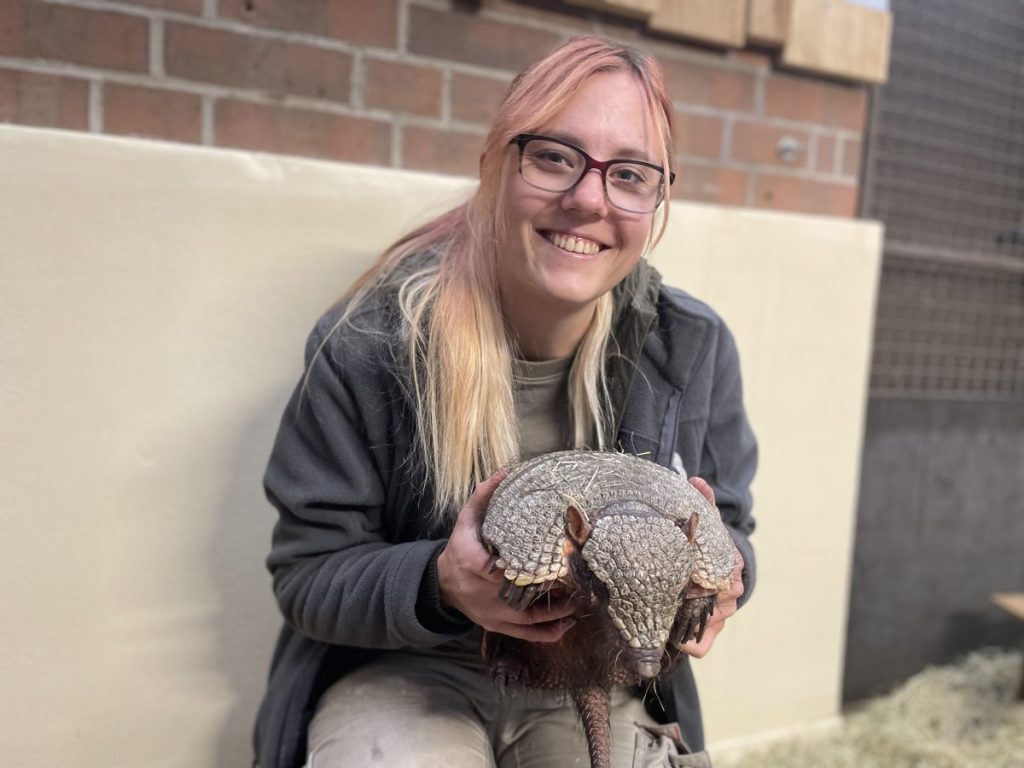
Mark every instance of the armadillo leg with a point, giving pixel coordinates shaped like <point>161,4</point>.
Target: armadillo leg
<point>592,704</point>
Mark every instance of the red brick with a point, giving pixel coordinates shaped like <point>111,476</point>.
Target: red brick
<point>832,104</point>
<point>791,193</point>
<point>403,87</point>
<point>851,157</point>
<point>28,98</point>
<point>93,38</point>
<point>699,135</point>
<point>476,99</point>
<point>826,159</point>
<point>758,143</point>
<point>429,149</point>
<point>709,85</point>
<point>156,114</point>
<point>14,28</point>
<point>301,132</point>
<point>463,36</point>
<point>278,67</point>
<point>365,22</point>
<point>710,184</point>
<point>194,7</point>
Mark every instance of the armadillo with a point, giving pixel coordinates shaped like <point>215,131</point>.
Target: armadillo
<point>635,546</point>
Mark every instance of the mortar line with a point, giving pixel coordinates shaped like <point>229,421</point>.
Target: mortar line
<point>207,130</point>
<point>156,47</point>
<point>96,106</point>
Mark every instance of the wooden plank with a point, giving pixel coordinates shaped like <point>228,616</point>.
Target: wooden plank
<point>768,21</point>
<point>632,8</point>
<point>722,22</point>
<point>836,38</point>
<point>1011,602</point>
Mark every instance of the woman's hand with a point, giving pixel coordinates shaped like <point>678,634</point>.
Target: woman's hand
<point>725,606</point>
<point>469,582</point>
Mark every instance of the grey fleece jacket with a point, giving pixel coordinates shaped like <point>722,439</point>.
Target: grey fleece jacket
<point>353,555</point>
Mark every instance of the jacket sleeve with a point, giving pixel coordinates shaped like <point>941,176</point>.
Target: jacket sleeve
<point>729,455</point>
<point>337,578</point>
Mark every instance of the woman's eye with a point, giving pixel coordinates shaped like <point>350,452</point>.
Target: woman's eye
<point>553,157</point>
<point>628,175</point>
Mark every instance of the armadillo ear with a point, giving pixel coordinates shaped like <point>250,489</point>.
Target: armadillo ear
<point>689,527</point>
<point>577,525</point>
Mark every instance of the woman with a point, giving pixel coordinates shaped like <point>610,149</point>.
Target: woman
<point>521,322</point>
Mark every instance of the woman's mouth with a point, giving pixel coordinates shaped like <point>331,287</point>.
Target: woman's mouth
<point>573,243</point>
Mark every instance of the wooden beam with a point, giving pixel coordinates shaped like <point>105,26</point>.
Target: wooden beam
<point>721,22</point>
<point>836,38</point>
<point>1011,602</point>
<point>768,21</point>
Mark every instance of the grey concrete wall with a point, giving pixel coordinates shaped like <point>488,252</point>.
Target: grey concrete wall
<point>940,526</point>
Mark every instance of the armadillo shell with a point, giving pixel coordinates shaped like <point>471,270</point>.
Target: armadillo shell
<point>525,522</point>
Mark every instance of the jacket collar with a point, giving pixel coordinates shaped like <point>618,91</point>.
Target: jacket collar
<point>635,302</point>
<point>672,354</point>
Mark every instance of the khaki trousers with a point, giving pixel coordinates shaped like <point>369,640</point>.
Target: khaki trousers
<point>439,709</point>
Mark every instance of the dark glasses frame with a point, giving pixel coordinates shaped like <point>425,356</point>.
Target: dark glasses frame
<point>602,166</point>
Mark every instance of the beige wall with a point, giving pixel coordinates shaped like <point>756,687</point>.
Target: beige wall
<point>798,292</point>
<point>154,300</point>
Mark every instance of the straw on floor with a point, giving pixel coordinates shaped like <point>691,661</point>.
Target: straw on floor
<point>960,716</point>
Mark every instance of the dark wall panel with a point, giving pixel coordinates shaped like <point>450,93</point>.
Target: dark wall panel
<point>940,526</point>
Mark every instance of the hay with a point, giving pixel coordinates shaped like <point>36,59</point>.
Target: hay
<point>960,716</point>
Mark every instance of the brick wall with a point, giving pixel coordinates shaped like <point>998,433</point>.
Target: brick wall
<point>406,83</point>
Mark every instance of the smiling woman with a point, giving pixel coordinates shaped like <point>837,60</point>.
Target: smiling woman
<point>566,250</point>
<point>524,321</point>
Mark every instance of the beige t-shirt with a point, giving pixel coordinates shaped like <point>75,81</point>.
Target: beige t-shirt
<point>541,393</point>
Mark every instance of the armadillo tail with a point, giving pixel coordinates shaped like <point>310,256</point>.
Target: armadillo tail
<point>592,704</point>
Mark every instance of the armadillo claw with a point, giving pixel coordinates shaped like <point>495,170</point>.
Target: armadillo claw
<point>520,596</point>
<point>703,622</point>
<point>505,588</point>
<point>692,619</point>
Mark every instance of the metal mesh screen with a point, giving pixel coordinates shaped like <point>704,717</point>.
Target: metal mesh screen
<point>949,330</point>
<point>945,172</point>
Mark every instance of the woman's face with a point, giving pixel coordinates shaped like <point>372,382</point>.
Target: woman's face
<point>566,249</point>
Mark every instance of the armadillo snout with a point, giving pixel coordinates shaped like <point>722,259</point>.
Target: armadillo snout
<point>645,665</point>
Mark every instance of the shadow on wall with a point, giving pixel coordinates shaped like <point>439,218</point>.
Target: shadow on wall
<point>939,528</point>
<point>968,630</point>
<point>235,554</point>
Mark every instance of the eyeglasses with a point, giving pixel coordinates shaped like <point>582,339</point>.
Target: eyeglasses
<point>557,166</point>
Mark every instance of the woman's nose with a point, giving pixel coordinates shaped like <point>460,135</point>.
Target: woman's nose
<point>588,194</point>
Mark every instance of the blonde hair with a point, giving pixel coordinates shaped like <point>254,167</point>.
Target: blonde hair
<point>460,354</point>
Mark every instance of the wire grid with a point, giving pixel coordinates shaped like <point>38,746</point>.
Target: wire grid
<point>948,330</point>
<point>946,175</point>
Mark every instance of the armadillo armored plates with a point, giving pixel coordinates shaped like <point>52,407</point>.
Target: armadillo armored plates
<point>635,546</point>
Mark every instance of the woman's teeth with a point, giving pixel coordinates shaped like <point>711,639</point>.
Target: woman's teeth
<point>574,244</point>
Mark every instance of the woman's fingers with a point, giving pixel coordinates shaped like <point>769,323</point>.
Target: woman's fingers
<point>469,580</point>
<point>473,513</point>
<point>705,490</point>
